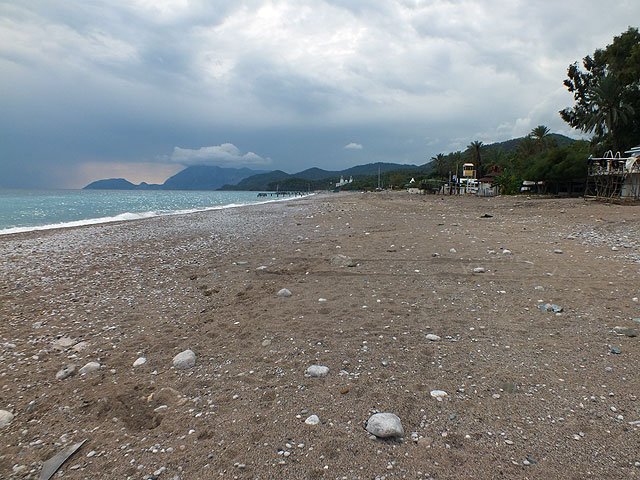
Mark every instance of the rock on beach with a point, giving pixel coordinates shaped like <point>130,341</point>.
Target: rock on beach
<point>317,371</point>
<point>184,360</point>
<point>5,418</point>
<point>385,425</point>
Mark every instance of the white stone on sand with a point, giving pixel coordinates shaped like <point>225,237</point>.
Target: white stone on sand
<point>5,418</point>
<point>385,425</point>
<point>439,394</point>
<point>317,371</point>
<point>285,292</point>
<point>139,361</point>
<point>432,337</point>
<point>89,367</point>
<point>312,420</point>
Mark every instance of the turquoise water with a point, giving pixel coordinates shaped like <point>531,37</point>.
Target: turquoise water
<point>25,210</point>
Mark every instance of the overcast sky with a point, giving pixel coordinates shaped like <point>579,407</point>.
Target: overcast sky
<point>139,89</point>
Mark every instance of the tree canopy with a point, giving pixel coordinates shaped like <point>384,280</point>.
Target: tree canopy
<point>606,92</point>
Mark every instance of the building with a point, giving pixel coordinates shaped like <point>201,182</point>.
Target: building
<point>614,177</point>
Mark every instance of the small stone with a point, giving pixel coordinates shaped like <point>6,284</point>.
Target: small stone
<point>453,250</point>
<point>78,347</point>
<point>432,337</point>
<point>627,332</point>
<point>506,252</point>
<point>479,270</point>
<point>139,361</point>
<point>342,261</point>
<point>385,425</point>
<point>439,395</point>
<point>89,367</point>
<point>558,251</point>
<point>615,350</point>
<point>266,342</point>
<point>63,342</point>
<point>284,292</point>
<point>184,360</point>
<point>317,371</point>
<point>66,372</point>
<point>312,420</point>
<point>5,418</point>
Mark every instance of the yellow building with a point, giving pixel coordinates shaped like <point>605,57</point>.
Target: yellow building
<point>468,170</point>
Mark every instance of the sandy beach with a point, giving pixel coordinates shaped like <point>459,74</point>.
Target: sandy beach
<point>530,393</point>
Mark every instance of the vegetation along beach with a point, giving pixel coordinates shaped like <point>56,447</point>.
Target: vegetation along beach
<point>523,311</point>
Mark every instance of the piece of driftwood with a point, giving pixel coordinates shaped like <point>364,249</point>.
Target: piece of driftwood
<point>52,465</point>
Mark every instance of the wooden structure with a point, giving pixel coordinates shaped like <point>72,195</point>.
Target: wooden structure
<point>614,177</point>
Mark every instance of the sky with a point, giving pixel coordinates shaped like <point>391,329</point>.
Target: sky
<point>140,89</point>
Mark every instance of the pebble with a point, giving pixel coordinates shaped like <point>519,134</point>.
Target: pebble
<point>439,394</point>
<point>184,360</point>
<point>453,250</point>
<point>5,418</point>
<point>479,270</point>
<point>506,252</point>
<point>432,337</point>
<point>284,292</point>
<point>342,261</point>
<point>385,425</point>
<point>89,367</point>
<point>558,251</point>
<point>317,371</point>
<point>66,372</point>
<point>312,420</point>
<point>139,361</point>
<point>266,342</point>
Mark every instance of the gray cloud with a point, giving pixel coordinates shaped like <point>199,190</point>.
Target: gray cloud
<point>124,81</point>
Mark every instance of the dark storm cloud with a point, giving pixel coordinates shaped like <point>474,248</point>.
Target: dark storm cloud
<point>133,82</point>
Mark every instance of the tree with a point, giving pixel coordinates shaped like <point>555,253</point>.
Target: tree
<point>540,134</point>
<point>475,148</point>
<point>440,163</point>
<point>608,110</point>
<point>606,92</point>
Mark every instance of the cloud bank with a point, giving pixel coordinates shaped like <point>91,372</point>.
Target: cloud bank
<point>225,155</point>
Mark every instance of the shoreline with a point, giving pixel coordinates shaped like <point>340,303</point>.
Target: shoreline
<point>133,216</point>
<point>530,393</point>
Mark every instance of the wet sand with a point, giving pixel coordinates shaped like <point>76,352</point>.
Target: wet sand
<point>531,394</point>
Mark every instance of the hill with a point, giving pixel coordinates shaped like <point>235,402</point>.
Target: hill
<point>111,184</point>
<point>200,177</point>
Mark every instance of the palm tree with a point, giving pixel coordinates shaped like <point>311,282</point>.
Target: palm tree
<point>439,162</point>
<point>607,110</point>
<point>475,147</point>
<point>540,135</point>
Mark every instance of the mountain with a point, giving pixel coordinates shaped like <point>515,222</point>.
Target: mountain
<point>373,168</point>
<point>111,184</point>
<point>258,182</point>
<point>199,177</point>
<point>512,145</point>
<point>206,178</point>
<point>314,178</point>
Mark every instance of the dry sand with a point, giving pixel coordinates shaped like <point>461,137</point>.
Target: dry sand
<point>531,394</point>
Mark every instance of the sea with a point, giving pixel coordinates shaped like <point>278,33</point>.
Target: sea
<point>27,210</point>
